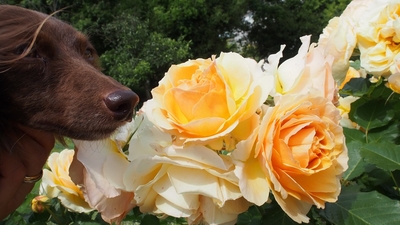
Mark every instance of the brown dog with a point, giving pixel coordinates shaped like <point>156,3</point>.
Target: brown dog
<point>50,80</point>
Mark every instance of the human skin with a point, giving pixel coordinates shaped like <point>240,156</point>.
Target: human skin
<point>26,158</point>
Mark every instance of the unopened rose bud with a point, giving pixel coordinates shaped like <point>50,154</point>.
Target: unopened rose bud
<point>39,203</point>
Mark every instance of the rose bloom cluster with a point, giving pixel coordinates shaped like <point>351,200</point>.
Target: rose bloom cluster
<point>219,135</point>
<point>370,31</point>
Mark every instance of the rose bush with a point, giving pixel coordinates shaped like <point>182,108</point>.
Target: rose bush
<point>371,27</point>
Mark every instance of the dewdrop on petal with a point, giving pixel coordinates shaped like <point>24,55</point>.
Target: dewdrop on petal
<point>394,82</point>
<point>39,203</point>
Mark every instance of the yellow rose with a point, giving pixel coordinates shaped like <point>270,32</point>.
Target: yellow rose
<point>204,100</point>
<point>193,182</point>
<point>351,73</point>
<point>298,153</point>
<point>394,82</point>
<point>378,35</point>
<point>344,108</point>
<point>339,40</point>
<point>309,69</point>
<point>58,183</point>
<point>99,168</point>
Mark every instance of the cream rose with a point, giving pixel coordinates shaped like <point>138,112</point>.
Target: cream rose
<point>338,40</point>
<point>394,82</point>
<point>298,153</point>
<point>354,11</point>
<point>204,100</point>
<point>57,182</point>
<point>378,35</point>
<point>309,69</point>
<point>193,182</point>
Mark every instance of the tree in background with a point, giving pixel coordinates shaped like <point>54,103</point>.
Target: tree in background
<point>277,22</point>
<point>139,39</point>
<point>138,57</point>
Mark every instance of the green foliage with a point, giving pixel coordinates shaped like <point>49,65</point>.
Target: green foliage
<point>361,208</point>
<point>371,184</point>
<point>207,25</point>
<point>279,22</point>
<point>139,58</point>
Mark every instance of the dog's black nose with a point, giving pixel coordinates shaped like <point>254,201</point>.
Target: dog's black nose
<point>121,104</point>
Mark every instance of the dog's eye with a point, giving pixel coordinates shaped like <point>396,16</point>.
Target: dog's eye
<point>88,54</point>
<point>21,49</point>
<point>33,53</point>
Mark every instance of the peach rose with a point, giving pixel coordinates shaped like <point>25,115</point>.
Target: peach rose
<point>378,35</point>
<point>193,182</point>
<point>309,69</point>
<point>298,153</point>
<point>204,100</point>
<point>57,182</point>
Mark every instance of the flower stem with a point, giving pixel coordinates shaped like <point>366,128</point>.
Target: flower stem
<point>395,183</point>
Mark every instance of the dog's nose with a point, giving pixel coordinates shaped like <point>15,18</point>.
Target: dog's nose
<point>121,104</point>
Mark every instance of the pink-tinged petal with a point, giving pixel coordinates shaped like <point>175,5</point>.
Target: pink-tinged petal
<point>93,155</point>
<point>113,168</point>
<point>112,209</point>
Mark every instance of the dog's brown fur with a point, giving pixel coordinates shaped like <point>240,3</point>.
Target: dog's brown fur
<point>50,79</point>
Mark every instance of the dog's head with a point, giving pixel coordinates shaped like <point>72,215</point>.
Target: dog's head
<point>50,79</point>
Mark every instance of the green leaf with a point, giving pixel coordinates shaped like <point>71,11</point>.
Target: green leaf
<point>388,133</point>
<point>354,142</point>
<point>372,114</point>
<point>356,87</point>
<point>356,163</point>
<point>275,215</point>
<point>251,217</point>
<point>150,220</point>
<point>384,155</point>
<point>362,208</point>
